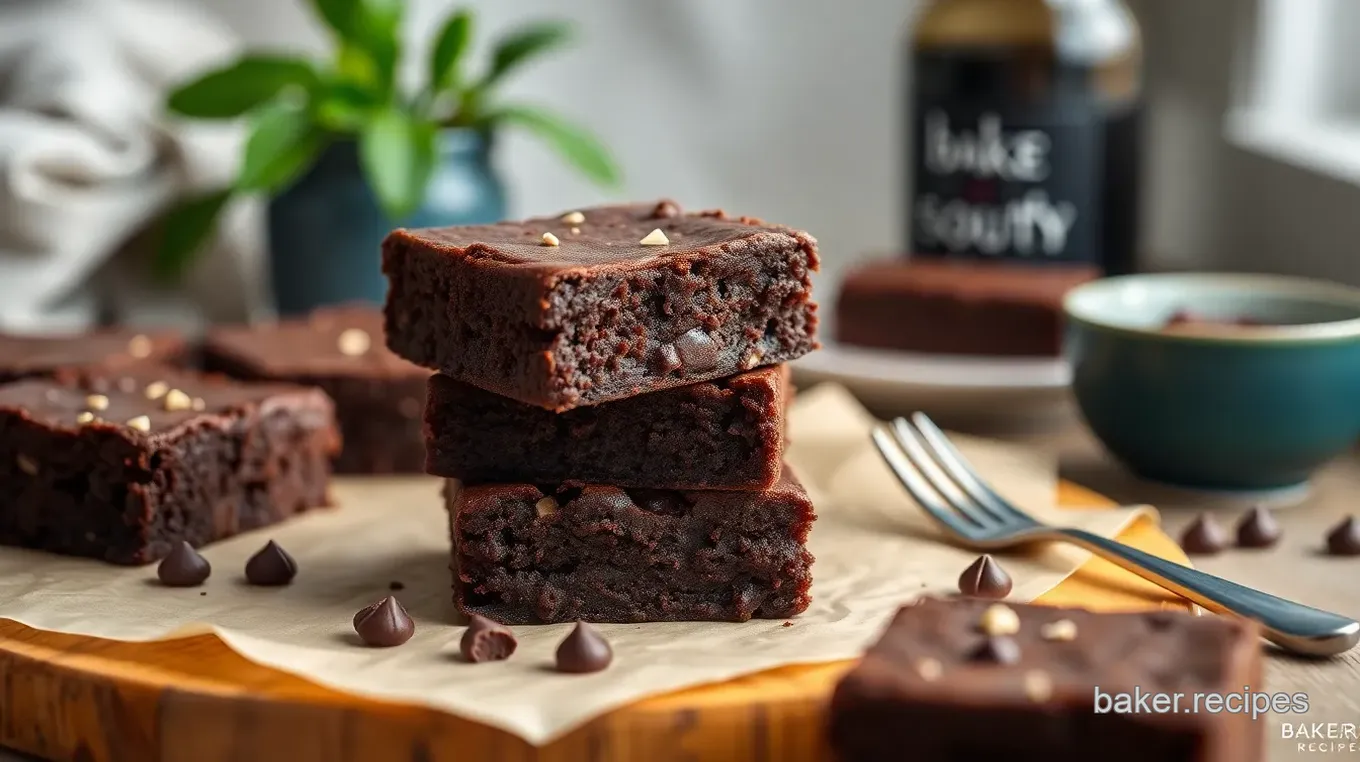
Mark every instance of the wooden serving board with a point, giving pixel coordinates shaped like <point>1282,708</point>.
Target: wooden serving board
<point>66,697</point>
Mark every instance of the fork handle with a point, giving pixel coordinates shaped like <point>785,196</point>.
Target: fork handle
<point>1292,626</point>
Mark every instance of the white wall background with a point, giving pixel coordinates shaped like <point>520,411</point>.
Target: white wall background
<point>790,109</point>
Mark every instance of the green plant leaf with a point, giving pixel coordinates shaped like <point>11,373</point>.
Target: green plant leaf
<point>369,36</point>
<point>448,51</point>
<point>398,154</point>
<point>232,91</point>
<point>184,230</point>
<point>342,16</point>
<point>343,106</point>
<point>523,44</point>
<point>283,143</point>
<point>572,142</point>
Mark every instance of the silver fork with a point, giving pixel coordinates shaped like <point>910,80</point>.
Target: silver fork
<point>948,488</point>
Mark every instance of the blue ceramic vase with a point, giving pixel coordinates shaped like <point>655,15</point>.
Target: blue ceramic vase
<point>325,230</point>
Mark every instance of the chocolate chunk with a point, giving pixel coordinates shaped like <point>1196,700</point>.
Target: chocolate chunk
<point>485,640</point>
<point>997,649</point>
<point>697,351</point>
<point>183,567</point>
<point>1344,538</point>
<point>1258,529</point>
<point>1204,536</point>
<point>584,650</point>
<point>985,579</point>
<point>384,624</point>
<point>271,566</point>
<point>666,210</point>
<point>667,359</point>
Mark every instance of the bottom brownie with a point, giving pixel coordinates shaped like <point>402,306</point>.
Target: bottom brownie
<point>525,554</point>
<point>966,679</point>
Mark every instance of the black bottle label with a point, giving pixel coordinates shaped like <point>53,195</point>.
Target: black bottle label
<point>1006,183</point>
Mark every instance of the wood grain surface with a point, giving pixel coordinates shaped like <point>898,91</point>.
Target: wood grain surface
<point>64,697</point>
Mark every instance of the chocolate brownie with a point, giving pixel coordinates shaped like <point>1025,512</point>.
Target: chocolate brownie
<point>957,308</point>
<point>972,679</point>
<point>123,467</point>
<point>597,305</point>
<point>724,434</point>
<point>379,397</point>
<point>38,356</point>
<point>526,554</point>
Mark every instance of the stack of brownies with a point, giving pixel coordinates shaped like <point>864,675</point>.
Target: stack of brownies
<point>609,410</point>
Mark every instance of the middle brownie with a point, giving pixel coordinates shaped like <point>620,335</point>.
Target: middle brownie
<point>525,554</point>
<point>724,434</point>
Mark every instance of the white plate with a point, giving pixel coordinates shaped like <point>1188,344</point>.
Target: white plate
<point>952,386</point>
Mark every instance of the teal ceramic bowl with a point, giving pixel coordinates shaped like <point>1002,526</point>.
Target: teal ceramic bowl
<point>1218,406</point>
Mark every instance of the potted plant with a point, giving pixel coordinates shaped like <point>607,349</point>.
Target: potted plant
<point>346,154</point>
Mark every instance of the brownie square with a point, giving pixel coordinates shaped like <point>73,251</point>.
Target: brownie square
<point>525,554</point>
<point>379,397</point>
<point>121,467</point>
<point>724,434</point>
<point>938,684</point>
<point>958,308</point>
<point>600,316</point>
<point>40,356</point>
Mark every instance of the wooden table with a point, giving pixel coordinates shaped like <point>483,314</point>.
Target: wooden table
<point>1295,569</point>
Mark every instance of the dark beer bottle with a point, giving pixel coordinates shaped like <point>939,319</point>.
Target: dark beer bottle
<point>1024,118</point>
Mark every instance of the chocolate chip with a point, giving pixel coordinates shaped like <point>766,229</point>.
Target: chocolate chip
<point>395,585</point>
<point>364,612</point>
<point>667,359</point>
<point>697,350</point>
<point>271,566</point>
<point>485,640</point>
<point>1344,538</point>
<point>997,649</point>
<point>985,579</point>
<point>1204,536</point>
<point>1258,529</point>
<point>665,210</point>
<point>584,650</point>
<point>384,624</point>
<point>183,567</point>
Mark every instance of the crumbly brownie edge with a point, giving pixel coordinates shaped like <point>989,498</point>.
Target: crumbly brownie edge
<point>724,434</point>
<point>769,577</point>
<point>691,319</point>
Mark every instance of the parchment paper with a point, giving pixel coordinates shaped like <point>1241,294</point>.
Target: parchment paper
<point>875,551</point>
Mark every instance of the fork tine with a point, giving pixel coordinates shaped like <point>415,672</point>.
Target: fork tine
<point>958,467</point>
<point>915,485</point>
<point>911,444</point>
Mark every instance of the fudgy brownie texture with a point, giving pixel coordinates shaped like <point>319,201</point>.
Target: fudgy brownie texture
<point>525,554</point>
<point>725,434</point>
<point>600,317</point>
<point>936,684</point>
<point>122,467</point>
<point>40,356</point>
<point>379,397</point>
<point>960,308</point>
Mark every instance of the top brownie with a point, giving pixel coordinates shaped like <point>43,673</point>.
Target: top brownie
<point>575,310</point>
<point>38,356</point>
